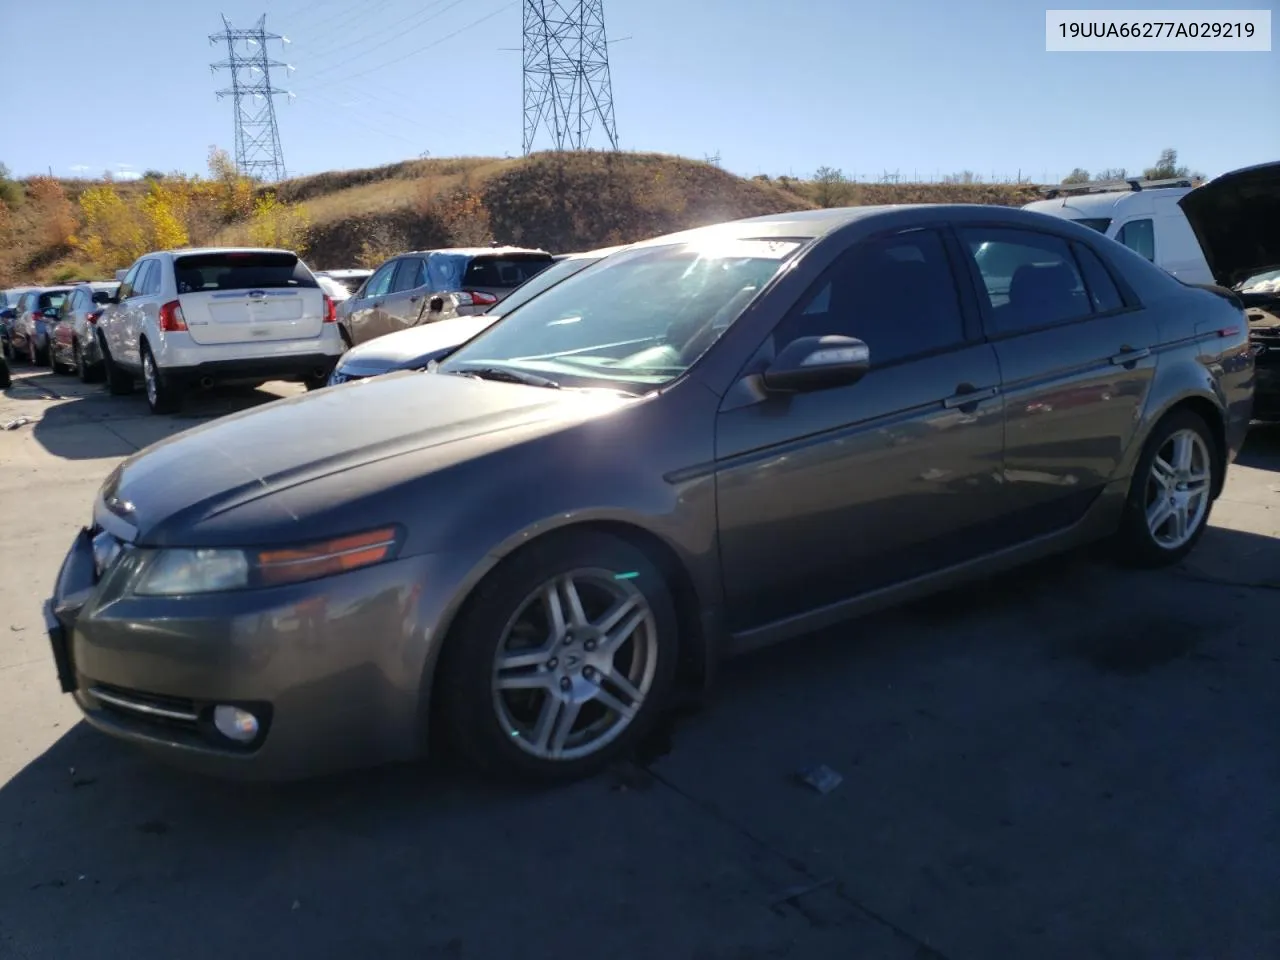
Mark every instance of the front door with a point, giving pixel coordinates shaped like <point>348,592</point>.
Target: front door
<point>827,495</point>
<point>1077,358</point>
<point>365,318</point>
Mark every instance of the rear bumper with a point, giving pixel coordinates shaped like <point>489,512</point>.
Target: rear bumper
<point>254,369</point>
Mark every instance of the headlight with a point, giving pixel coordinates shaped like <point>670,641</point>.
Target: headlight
<point>178,572</point>
<point>172,573</point>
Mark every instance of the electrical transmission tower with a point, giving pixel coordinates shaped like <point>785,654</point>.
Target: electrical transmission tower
<point>567,89</point>
<point>258,152</point>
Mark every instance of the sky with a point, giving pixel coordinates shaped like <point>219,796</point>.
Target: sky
<point>920,88</point>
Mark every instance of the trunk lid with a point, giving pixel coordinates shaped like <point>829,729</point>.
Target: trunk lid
<point>1236,218</point>
<point>250,296</point>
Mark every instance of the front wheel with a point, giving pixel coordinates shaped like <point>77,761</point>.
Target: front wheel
<point>1171,493</point>
<point>119,382</point>
<point>561,661</point>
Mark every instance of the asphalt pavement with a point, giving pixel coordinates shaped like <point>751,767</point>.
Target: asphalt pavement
<point>1074,761</point>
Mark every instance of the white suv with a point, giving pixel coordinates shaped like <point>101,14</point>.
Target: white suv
<point>188,318</point>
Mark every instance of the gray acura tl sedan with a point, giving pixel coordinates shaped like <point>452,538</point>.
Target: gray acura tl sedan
<point>714,440</point>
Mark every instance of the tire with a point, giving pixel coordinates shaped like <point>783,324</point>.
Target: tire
<point>87,372</point>
<point>497,731</point>
<point>6,379</point>
<point>119,382</point>
<point>163,396</point>
<point>1189,490</point>
<point>55,365</point>
<point>315,383</point>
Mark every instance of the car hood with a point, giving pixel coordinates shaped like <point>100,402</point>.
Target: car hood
<point>411,423</point>
<point>404,346</point>
<point>1234,216</point>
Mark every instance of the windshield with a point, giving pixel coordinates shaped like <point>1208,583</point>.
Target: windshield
<point>544,280</point>
<point>639,320</point>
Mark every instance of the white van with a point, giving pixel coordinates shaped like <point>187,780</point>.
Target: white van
<point>1143,215</point>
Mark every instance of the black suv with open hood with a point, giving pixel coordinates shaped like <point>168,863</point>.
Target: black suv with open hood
<point>1236,218</point>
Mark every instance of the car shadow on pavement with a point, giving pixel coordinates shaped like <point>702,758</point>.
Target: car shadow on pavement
<point>1068,757</point>
<point>1261,447</point>
<point>77,421</point>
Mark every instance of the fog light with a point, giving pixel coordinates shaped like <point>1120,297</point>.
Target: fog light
<point>234,723</point>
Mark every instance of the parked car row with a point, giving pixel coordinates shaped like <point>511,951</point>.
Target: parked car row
<point>677,451</point>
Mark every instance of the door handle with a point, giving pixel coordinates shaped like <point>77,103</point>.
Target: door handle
<point>1128,356</point>
<point>376,304</point>
<point>969,396</point>
<point>415,299</point>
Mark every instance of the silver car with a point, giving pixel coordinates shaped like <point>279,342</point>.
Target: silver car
<point>73,341</point>
<point>419,287</point>
<point>414,348</point>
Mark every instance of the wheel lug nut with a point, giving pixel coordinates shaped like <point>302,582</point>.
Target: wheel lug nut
<point>552,663</point>
<point>565,683</point>
<point>590,645</point>
<point>588,672</point>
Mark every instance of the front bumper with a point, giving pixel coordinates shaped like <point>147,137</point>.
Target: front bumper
<point>334,668</point>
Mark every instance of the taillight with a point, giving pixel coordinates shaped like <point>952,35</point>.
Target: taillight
<point>481,299</point>
<point>171,318</point>
<point>92,317</point>
<point>330,310</point>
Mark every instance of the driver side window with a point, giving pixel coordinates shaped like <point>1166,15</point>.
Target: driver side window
<point>896,294</point>
<point>380,282</point>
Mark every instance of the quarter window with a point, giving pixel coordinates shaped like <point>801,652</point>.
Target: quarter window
<point>1140,237</point>
<point>1030,279</point>
<point>896,294</point>
<point>1103,293</point>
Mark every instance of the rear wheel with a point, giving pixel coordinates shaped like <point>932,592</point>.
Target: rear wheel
<point>87,372</point>
<point>6,379</point>
<point>119,382</point>
<point>162,395</point>
<point>315,382</point>
<point>1172,492</point>
<point>562,660</point>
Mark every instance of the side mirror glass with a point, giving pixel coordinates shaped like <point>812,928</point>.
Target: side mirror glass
<point>817,363</point>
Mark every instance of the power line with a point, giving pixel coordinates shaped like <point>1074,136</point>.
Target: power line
<point>419,50</point>
<point>395,28</point>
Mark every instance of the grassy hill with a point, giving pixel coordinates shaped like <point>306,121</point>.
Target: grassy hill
<point>558,201</point>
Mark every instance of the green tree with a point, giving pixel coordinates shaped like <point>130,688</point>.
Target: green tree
<point>1167,168</point>
<point>1078,175</point>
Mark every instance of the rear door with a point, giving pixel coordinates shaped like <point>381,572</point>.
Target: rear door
<point>113,325</point>
<point>403,305</point>
<point>248,297</point>
<point>1076,358</point>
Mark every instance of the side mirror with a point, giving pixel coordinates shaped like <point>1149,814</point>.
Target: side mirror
<point>817,363</point>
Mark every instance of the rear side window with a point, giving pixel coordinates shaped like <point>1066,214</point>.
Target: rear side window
<point>1030,278</point>
<point>1140,237</point>
<point>240,271</point>
<point>504,273</point>
<point>897,294</point>
<point>148,281</point>
<point>1103,292</point>
<point>411,274</point>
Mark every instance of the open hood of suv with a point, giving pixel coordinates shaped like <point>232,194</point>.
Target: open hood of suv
<point>1236,218</point>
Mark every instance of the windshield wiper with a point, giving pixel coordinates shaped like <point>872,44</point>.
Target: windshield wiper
<point>507,375</point>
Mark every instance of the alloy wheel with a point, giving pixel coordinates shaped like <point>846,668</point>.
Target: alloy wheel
<point>575,664</point>
<point>1178,489</point>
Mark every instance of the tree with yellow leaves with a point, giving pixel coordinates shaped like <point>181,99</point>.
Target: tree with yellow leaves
<point>113,234</point>
<point>165,229</point>
<point>54,215</point>
<point>277,224</point>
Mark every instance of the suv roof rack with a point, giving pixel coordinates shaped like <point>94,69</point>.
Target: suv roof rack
<point>1127,185</point>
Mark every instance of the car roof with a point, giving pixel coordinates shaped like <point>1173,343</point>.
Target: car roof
<point>193,251</point>
<point>475,251</point>
<point>816,224</point>
<point>1106,204</point>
